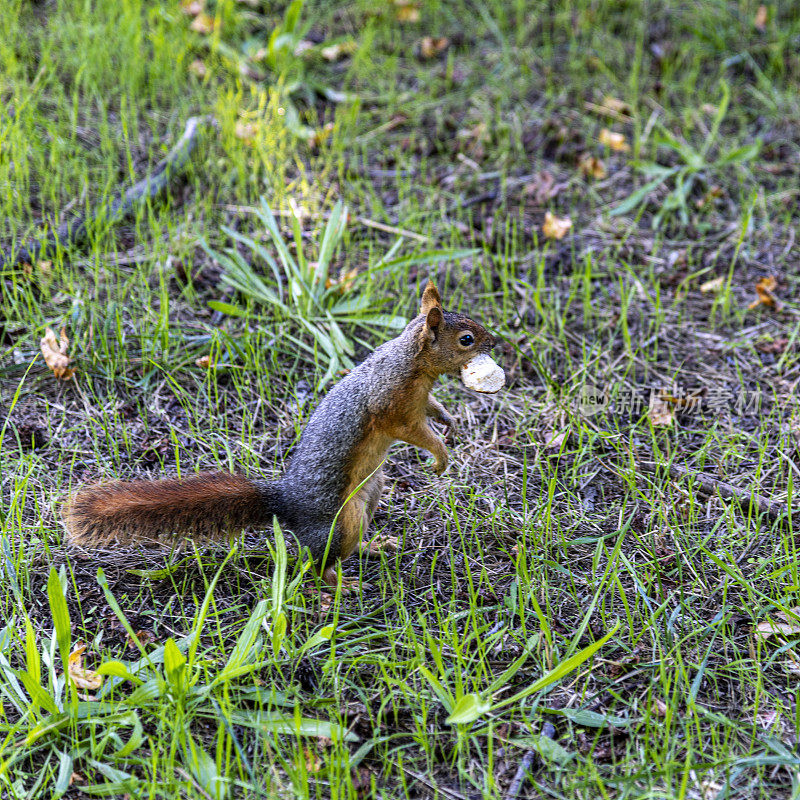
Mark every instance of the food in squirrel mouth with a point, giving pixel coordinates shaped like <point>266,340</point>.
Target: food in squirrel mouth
<point>483,375</point>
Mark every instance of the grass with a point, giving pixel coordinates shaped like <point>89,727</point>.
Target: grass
<point>226,674</point>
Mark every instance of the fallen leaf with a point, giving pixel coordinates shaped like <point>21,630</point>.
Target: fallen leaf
<point>344,283</point>
<point>776,346</point>
<point>320,135</point>
<point>617,106</point>
<point>432,46</point>
<point>783,625</point>
<point>592,167</point>
<point>204,362</point>
<point>658,708</point>
<point>313,760</point>
<point>43,269</point>
<point>764,289</point>
<point>198,67</point>
<point>361,781</point>
<point>192,7</point>
<point>204,23</point>
<point>55,354</point>
<point>474,139</point>
<point>339,50</point>
<point>246,131</point>
<point>613,140</point>
<point>303,46</point>
<point>81,677</point>
<point>555,227</point>
<point>142,637</point>
<point>406,10</point>
<point>612,107</point>
<point>543,187</point>
<point>712,194</point>
<point>554,440</point>
<point>714,285</point>
<point>661,411</point>
<point>760,19</point>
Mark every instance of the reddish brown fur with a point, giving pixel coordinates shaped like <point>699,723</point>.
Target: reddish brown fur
<point>394,403</point>
<point>202,507</point>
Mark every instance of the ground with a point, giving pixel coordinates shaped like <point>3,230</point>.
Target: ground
<point>636,354</point>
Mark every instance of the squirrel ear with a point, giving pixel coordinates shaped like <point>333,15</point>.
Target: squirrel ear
<point>430,299</point>
<point>433,320</point>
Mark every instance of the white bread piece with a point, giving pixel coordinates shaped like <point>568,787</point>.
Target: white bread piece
<point>483,375</point>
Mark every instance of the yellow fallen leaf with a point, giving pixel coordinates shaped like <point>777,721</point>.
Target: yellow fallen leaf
<point>246,131</point>
<point>613,140</point>
<point>198,67</point>
<point>431,46</point>
<point>81,677</point>
<point>192,7</point>
<point>714,285</point>
<point>760,19</point>
<point>320,135</point>
<point>339,50</point>
<point>204,23</point>
<point>344,283</point>
<point>661,411</point>
<point>44,270</point>
<point>406,10</point>
<point>55,354</point>
<point>617,106</point>
<point>592,167</point>
<point>555,227</point>
<point>764,289</point>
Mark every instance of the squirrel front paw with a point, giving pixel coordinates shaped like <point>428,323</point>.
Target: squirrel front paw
<point>451,429</point>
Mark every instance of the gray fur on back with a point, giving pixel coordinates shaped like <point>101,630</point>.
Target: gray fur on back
<point>336,427</point>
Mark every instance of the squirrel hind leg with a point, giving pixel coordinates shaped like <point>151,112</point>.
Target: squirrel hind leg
<point>356,516</point>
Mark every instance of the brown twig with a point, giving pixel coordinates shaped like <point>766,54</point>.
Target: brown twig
<point>712,486</point>
<point>548,730</point>
<point>74,231</point>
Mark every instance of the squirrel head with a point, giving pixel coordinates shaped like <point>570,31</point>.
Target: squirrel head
<point>454,344</point>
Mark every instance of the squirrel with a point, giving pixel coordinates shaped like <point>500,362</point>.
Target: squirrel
<point>331,486</point>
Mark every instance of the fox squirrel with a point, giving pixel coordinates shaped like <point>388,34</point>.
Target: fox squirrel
<point>334,478</point>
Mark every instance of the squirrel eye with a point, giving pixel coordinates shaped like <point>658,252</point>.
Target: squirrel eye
<point>466,340</point>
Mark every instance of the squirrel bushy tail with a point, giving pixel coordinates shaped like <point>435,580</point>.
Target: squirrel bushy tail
<point>328,495</point>
<point>212,505</point>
